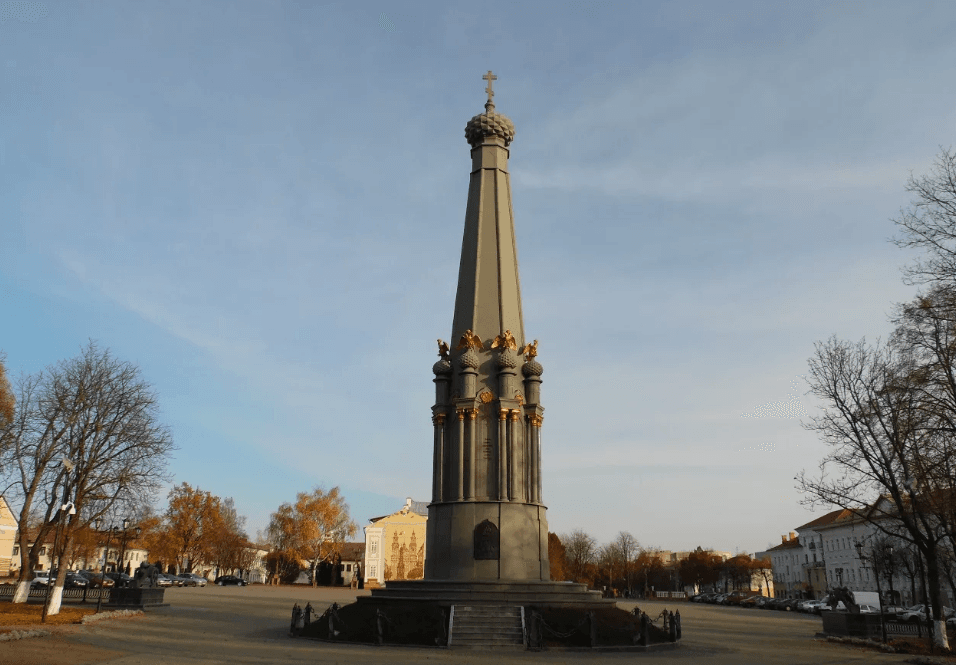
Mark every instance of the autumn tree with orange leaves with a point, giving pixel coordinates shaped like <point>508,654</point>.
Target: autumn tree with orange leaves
<point>7,401</point>
<point>313,528</point>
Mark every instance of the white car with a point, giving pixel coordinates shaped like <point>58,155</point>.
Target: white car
<point>917,613</point>
<point>198,579</point>
<point>869,609</point>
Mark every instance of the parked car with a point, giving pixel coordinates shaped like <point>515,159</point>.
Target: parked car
<point>41,577</point>
<point>121,579</point>
<point>918,613</point>
<point>195,580</point>
<point>869,609</point>
<point>817,606</point>
<point>76,581</point>
<point>163,580</point>
<point>227,580</point>
<point>97,580</point>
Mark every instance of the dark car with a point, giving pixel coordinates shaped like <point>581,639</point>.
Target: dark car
<point>227,580</point>
<point>121,579</point>
<point>76,581</point>
<point>97,580</point>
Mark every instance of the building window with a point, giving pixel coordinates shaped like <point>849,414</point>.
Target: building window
<point>16,550</point>
<point>373,546</point>
<point>348,568</point>
<point>42,551</point>
<point>372,571</point>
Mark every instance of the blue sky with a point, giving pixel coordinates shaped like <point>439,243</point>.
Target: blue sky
<point>261,204</point>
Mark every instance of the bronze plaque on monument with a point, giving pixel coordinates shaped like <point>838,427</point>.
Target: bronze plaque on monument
<point>486,541</point>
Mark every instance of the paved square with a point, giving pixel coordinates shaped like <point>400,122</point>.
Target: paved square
<point>250,625</point>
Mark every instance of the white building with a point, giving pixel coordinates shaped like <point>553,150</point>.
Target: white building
<point>825,555</point>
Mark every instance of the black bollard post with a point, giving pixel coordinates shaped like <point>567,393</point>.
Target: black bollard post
<point>592,620</point>
<point>308,614</point>
<point>295,619</point>
<point>677,621</point>
<point>379,626</point>
<point>673,628</point>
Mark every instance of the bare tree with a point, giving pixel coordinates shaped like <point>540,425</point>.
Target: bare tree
<point>883,447</point>
<point>580,551</point>
<point>628,547</point>
<point>610,560</point>
<point>929,223</point>
<point>86,442</point>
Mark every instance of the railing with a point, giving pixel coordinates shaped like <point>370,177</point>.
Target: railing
<point>670,594</point>
<point>37,591</point>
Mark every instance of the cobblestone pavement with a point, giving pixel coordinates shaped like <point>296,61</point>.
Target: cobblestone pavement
<point>211,625</point>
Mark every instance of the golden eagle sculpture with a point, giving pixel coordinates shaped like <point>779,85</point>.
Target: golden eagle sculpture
<point>505,341</point>
<point>469,341</point>
<point>529,351</point>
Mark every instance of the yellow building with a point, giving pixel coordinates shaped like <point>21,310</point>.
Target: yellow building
<point>395,545</point>
<point>8,534</point>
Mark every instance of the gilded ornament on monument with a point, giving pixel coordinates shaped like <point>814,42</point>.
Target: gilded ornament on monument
<point>529,351</point>
<point>505,341</point>
<point>469,341</point>
<point>520,398</point>
<point>486,397</point>
<point>443,349</point>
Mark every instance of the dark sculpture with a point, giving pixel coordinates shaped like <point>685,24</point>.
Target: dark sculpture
<point>842,593</point>
<point>146,577</point>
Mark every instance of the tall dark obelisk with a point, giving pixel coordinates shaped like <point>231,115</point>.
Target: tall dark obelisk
<point>487,531</point>
<point>486,520</point>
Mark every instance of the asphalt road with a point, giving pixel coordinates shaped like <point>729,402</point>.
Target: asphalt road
<point>250,625</point>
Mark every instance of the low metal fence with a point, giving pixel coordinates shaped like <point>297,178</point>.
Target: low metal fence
<point>80,595</point>
<point>676,595</point>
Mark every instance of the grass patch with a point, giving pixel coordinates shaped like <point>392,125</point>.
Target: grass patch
<point>28,614</point>
<point>423,624</point>
<point>570,627</point>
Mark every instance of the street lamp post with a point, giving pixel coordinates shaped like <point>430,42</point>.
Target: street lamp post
<point>879,591</point>
<point>106,555</point>
<point>123,547</point>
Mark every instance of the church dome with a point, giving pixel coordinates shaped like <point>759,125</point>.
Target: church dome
<point>532,368</point>
<point>489,123</point>
<point>441,367</point>
<point>468,359</point>
<point>507,359</point>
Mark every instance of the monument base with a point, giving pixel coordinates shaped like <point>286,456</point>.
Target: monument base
<point>129,598</point>
<point>493,592</point>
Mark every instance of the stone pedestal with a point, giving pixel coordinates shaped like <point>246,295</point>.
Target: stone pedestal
<point>459,541</point>
<point>502,592</point>
<point>126,598</point>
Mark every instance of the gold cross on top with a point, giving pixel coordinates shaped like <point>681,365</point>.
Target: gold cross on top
<point>490,77</point>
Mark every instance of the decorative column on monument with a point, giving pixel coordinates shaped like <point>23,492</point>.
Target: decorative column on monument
<point>486,521</point>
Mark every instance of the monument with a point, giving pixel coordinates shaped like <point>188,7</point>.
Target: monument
<point>487,529</point>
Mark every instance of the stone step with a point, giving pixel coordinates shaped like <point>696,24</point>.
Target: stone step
<point>487,626</point>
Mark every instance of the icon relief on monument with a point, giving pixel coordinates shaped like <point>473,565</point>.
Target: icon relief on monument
<point>487,541</point>
<point>486,397</point>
